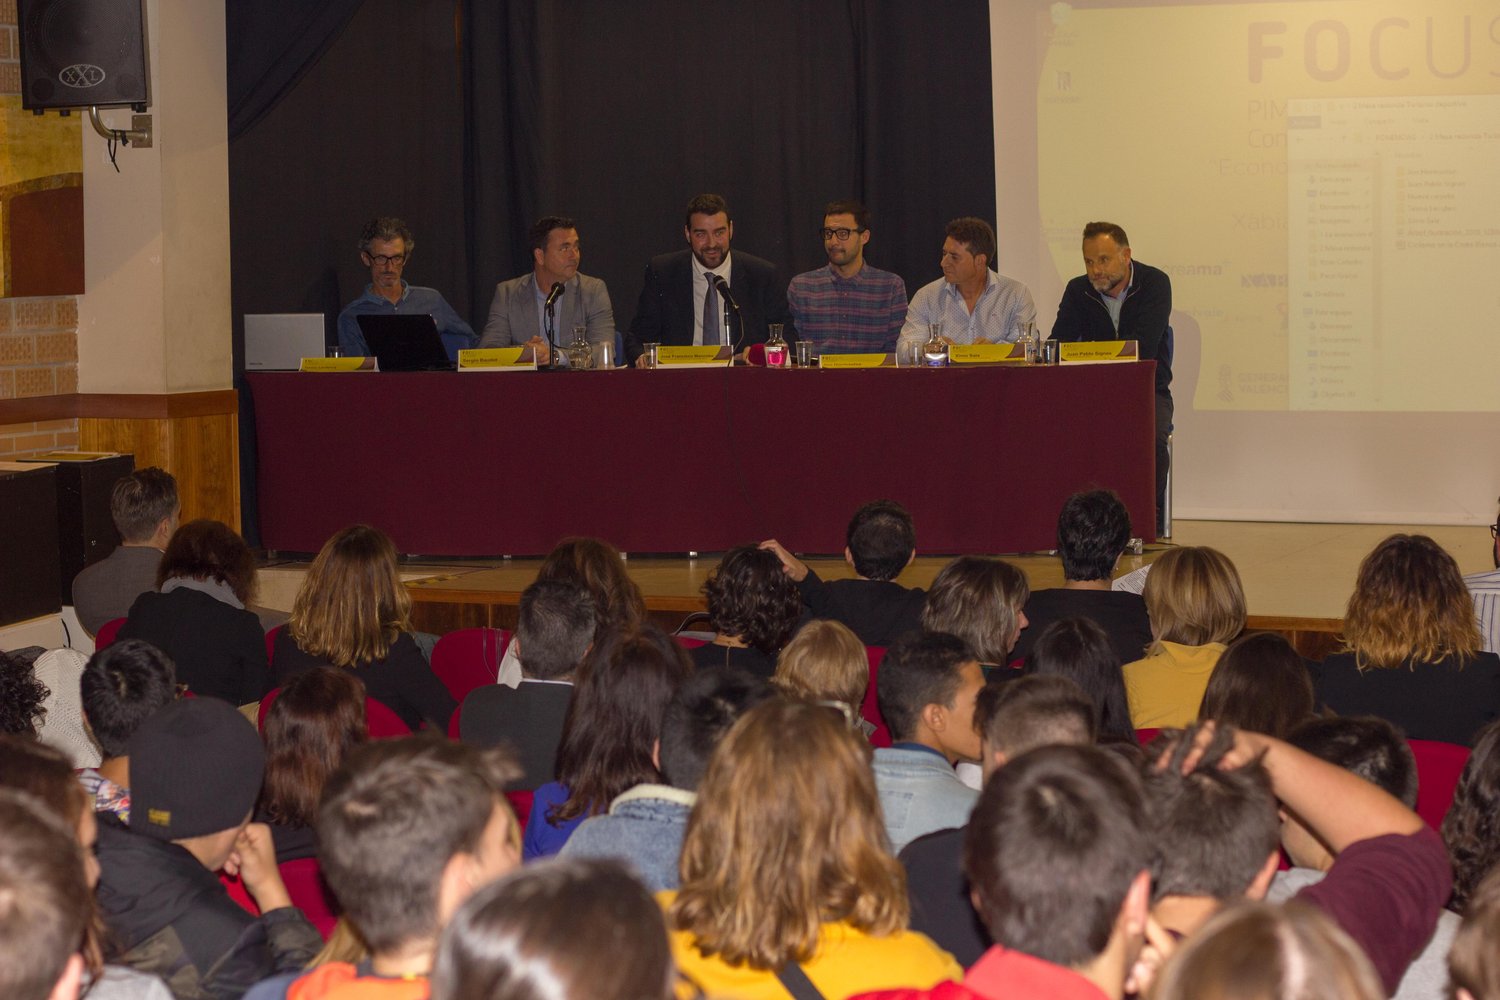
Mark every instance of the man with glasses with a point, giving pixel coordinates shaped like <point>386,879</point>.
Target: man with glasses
<point>1485,589</point>
<point>848,307</point>
<point>385,247</point>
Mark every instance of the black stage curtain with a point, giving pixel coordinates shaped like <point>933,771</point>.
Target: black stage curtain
<point>271,44</point>
<point>470,118</point>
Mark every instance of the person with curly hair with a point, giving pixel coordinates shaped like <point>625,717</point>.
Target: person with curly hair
<point>21,697</point>
<point>1413,652</point>
<point>1472,827</point>
<point>754,608</point>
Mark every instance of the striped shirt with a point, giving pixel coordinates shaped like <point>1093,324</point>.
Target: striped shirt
<point>848,315</point>
<point>1003,306</point>
<point>1485,589</point>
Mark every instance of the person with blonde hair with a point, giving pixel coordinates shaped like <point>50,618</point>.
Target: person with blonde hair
<point>1413,653</point>
<point>1197,606</point>
<point>979,599</point>
<point>1265,951</point>
<point>825,661</point>
<point>352,611</point>
<point>786,871</point>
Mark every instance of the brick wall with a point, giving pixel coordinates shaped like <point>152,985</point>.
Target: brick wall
<point>38,337</point>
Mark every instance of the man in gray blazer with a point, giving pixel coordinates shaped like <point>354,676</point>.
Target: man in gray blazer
<point>517,315</point>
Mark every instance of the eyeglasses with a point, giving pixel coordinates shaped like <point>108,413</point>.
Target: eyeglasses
<point>1495,530</point>
<point>396,259</point>
<point>842,234</point>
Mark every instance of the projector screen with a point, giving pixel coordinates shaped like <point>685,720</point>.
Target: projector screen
<point>1321,180</point>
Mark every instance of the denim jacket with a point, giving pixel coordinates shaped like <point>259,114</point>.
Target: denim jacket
<point>644,828</point>
<point>919,793</point>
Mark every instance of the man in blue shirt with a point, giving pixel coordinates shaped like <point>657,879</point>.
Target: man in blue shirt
<point>385,247</point>
<point>973,303</point>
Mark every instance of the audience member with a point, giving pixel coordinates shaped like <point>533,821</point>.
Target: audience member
<point>145,509</point>
<point>785,873</point>
<point>1060,862</point>
<point>352,611</point>
<point>1258,951</point>
<point>315,721</point>
<point>44,774</point>
<point>826,662</point>
<point>21,696</point>
<point>645,824</point>
<point>553,635</point>
<point>62,724</point>
<point>598,567</point>
<point>410,828</point>
<point>1260,684</point>
<point>1472,826</point>
<point>753,607</point>
<point>1413,647</point>
<point>1078,649</point>
<point>926,690</point>
<point>980,600</point>
<point>1376,751</point>
<point>1197,605</point>
<point>122,686</point>
<point>1011,718</point>
<point>609,735</point>
<point>197,615</point>
<point>195,771</point>
<point>1484,588</point>
<point>879,543</point>
<point>1474,961</point>
<point>1093,530</point>
<point>560,930</point>
<point>44,904</point>
<point>1389,876</point>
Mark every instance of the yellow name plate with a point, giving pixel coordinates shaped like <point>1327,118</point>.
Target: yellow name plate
<point>986,354</point>
<point>497,359</point>
<point>339,365</point>
<point>694,357</point>
<point>1099,350</point>
<point>856,360</point>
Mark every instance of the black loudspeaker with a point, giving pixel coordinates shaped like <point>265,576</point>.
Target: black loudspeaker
<point>28,544</point>
<point>85,527</point>
<point>82,53</point>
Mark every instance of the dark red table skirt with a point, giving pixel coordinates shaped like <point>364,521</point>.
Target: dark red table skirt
<point>698,460</point>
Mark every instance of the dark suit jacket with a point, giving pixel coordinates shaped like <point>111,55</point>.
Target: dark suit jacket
<point>666,311</point>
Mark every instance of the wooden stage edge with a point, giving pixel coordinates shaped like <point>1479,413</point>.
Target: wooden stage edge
<point>1297,576</point>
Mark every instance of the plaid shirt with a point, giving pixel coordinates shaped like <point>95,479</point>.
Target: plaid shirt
<point>848,315</point>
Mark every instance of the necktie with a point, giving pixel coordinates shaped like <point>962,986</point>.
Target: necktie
<point>710,314</point>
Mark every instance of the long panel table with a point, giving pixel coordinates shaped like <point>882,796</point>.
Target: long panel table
<point>696,460</point>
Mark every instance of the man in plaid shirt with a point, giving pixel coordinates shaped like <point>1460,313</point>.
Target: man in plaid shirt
<point>848,307</point>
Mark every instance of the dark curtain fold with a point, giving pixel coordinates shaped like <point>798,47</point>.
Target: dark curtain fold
<point>271,44</point>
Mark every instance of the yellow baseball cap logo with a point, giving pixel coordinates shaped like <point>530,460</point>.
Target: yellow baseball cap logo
<point>159,817</point>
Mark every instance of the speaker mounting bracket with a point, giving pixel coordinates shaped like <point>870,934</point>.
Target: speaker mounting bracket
<point>138,135</point>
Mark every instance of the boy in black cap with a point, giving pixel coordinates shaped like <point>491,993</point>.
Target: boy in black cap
<point>195,772</point>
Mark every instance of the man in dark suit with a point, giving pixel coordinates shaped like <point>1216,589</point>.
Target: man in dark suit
<point>679,304</point>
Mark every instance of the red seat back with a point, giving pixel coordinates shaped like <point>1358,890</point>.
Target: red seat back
<point>1438,768</point>
<point>469,658</point>
<point>310,894</point>
<point>271,642</point>
<point>238,893</point>
<point>107,632</point>
<point>688,642</point>
<point>870,710</point>
<point>520,801</point>
<point>1145,736</point>
<point>382,723</point>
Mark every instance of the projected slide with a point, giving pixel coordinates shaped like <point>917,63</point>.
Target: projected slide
<point>1320,179</point>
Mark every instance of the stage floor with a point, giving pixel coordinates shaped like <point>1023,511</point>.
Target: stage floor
<point>1296,576</point>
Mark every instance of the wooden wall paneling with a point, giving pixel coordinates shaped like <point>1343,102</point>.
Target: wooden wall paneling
<point>201,451</point>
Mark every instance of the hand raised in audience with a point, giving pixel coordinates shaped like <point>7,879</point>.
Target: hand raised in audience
<point>254,860</point>
<point>790,564</point>
<point>1158,947</point>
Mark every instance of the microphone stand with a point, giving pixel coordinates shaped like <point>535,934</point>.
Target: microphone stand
<point>549,323</point>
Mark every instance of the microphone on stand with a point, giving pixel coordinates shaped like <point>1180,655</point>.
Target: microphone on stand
<point>722,287</point>
<point>551,322</point>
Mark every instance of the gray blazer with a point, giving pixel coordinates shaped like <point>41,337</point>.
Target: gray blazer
<point>513,314</point>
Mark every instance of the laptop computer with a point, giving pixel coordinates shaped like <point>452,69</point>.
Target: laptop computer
<point>277,342</point>
<point>405,343</point>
